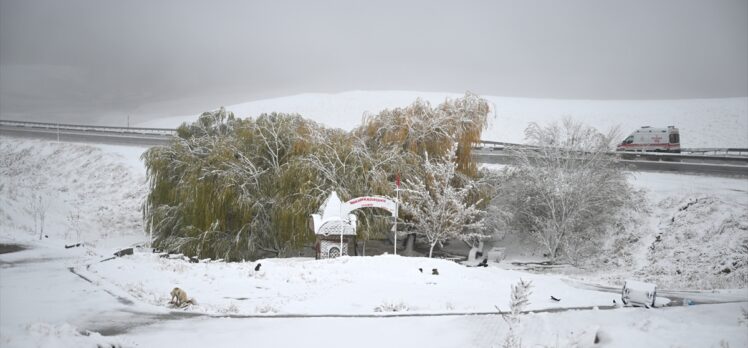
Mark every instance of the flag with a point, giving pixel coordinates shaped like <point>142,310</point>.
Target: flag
<point>397,180</point>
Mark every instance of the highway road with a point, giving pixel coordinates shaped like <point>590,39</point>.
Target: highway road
<point>85,136</point>
<point>643,162</point>
<point>732,170</point>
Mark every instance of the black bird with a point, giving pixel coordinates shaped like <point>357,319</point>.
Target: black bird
<point>257,268</point>
<point>435,271</point>
<point>483,263</point>
<point>420,270</point>
<point>558,299</point>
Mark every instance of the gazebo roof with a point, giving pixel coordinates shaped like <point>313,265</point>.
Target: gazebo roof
<point>336,227</point>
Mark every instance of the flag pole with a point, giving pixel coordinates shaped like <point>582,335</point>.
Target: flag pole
<point>397,211</point>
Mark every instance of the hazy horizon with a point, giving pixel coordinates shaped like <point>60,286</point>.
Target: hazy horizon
<point>94,61</point>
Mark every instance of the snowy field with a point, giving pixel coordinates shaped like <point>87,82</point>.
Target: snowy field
<point>702,122</point>
<point>53,297</point>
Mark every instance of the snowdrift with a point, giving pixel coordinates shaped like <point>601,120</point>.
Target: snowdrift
<point>90,193</point>
<point>702,243</point>
<point>686,232</point>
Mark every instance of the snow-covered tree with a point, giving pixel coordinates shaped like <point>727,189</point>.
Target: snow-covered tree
<point>440,207</point>
<point>564,188</point>
<point>74,220</point>
<point>420,128</point>
<point>38,207</point>
<point>236,188</point>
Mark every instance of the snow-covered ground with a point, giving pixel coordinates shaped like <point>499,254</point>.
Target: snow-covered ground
<point>349,285</point>
<point>702,326</point>
<point>53,297</point>
<point>89,192</point>
<point>43,304</point>
<point>702,122</point>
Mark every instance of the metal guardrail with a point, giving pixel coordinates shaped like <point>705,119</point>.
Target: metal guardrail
<point>133,136</point>
<point>64,126</point>
<point>720,169</point>
<point>492,151</point>
<point>721,155</point>
<point>496,145</point>
<point>725,150</point>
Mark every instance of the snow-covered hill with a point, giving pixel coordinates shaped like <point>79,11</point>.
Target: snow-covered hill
<point>90,193</point>
<point>702,122</point>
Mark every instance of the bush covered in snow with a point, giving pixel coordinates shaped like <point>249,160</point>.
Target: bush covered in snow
<point>564,190</point>
<point>391,307</point>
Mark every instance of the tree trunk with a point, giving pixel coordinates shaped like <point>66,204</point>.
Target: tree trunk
<point>41,226</point>
<point>410,241</point>
<point>555,253</point>
<point>431,249</point>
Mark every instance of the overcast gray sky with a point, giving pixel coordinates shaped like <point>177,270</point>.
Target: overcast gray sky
<point>78,60</point>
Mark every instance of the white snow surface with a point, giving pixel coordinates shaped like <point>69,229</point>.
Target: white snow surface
<point>704,326</point>
<point>347,285</point>
<point>712,123</point>
<point>103,184</point>
<point>124,301</point>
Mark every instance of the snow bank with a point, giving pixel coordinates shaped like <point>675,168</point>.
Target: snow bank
<point>687,232</point>
<point>695,231</point>
<point>701,242</point>
<point>702,122</point>
<point>91,193</point>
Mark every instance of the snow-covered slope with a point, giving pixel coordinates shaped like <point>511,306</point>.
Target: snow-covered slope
<point>702,122</point>
<point>89,193</point>
<point>691,232</point>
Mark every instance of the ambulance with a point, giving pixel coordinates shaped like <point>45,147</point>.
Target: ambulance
<point>648,139</point>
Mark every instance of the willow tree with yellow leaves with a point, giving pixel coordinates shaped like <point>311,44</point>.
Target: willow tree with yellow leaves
<point>433,136</point>
<point>432,131</point>
<point>225,187</point>
<point>237,189</point>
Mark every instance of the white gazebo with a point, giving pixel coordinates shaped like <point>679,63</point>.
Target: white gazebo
<point>335,227</point>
